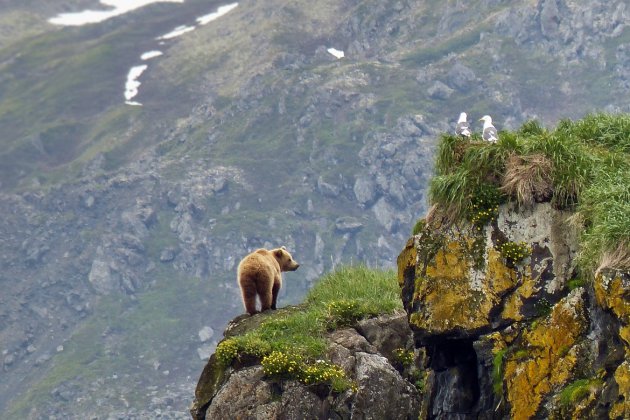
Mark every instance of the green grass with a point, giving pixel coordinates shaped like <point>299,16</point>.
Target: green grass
<point>348,294</point>
<point>376,288</point>
<point>589,169</point>
<point>291,343</point>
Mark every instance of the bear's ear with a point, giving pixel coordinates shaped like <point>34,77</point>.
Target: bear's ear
<point>278,253</point>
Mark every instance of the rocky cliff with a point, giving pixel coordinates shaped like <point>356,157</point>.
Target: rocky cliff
<point>346,352</point>
<point>516,282</point>
<point>516,338</point>
<point>492,335</point>
<point>367,354</point>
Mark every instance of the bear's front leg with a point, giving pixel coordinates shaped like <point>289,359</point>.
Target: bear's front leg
<point>274,293</point>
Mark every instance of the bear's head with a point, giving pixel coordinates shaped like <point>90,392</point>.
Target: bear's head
<point>286,261</point>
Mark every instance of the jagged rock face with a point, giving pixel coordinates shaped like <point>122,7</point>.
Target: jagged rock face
<point>515,339</point>
<point>612,293</point>
<point>381,391</point>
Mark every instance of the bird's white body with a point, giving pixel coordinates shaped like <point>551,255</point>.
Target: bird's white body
<point>462,128</point>
<point>489,131</point>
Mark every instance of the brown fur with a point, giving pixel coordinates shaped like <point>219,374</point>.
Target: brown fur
<point>259,274</point>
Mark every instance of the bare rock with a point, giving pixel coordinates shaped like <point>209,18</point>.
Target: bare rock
<point>348,224</point>
<point>364,190</point>
<point>245,395</point>
<point>440,91</point>
<point>461,77</point>
<point>102,277</point>
<point>382,392</point>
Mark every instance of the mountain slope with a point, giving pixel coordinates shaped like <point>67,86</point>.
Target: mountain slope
<point>250,134</point>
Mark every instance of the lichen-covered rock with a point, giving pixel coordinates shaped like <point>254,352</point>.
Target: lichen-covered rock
<point>511,331</point>
<point>612,291</point>
<point>463,285</point>
<point>380,391</point>
<point>621,409</point>
<point>545,356</point>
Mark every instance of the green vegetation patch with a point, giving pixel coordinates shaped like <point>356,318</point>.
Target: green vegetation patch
<point>583,166</point>
<point>404,357</point>
<point>294,366</point>
<point>498,369</point>
<point>291,344</point>
<point>577,391</point>
<point>515,252</point>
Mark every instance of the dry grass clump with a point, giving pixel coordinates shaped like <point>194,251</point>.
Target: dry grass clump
<point>619,259</point>
<point>528,178</point>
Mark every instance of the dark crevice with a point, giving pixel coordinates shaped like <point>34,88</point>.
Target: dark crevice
<point>456,385</point>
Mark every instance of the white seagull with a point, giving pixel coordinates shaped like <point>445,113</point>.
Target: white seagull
<point>462,128</point>
<point>489,132</point>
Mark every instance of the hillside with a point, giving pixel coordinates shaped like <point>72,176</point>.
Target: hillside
<point>123,224</point>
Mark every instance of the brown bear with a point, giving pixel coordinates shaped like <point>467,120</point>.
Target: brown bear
<point>259,274</point>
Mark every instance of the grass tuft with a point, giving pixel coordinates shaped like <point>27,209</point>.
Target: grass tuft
<point>583,166</point>
<point>528,178</point>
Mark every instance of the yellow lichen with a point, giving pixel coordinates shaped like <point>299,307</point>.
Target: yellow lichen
<point>551,358</point>
<point>613,293</point>
<point>448,300</point>
<point>450,263</point>
<point>455,294</point>
<point>499,276</point>
<point>512,308</point>
<point>621,409</point>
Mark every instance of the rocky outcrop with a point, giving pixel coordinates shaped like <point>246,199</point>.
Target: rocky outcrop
<point>366,352</point>
<point>508,327</point>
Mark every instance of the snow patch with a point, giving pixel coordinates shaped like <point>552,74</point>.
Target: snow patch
<point>150,54</point>
<point>132,85</point>
<point>202,20</point>
<point>222,10</point>
<point>118,7</point>
<point>335,52</point>
<point>180,30</point>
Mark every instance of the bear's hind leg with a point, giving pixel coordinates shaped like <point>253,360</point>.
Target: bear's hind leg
<point>266,298</point>
<point>249,298</point>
